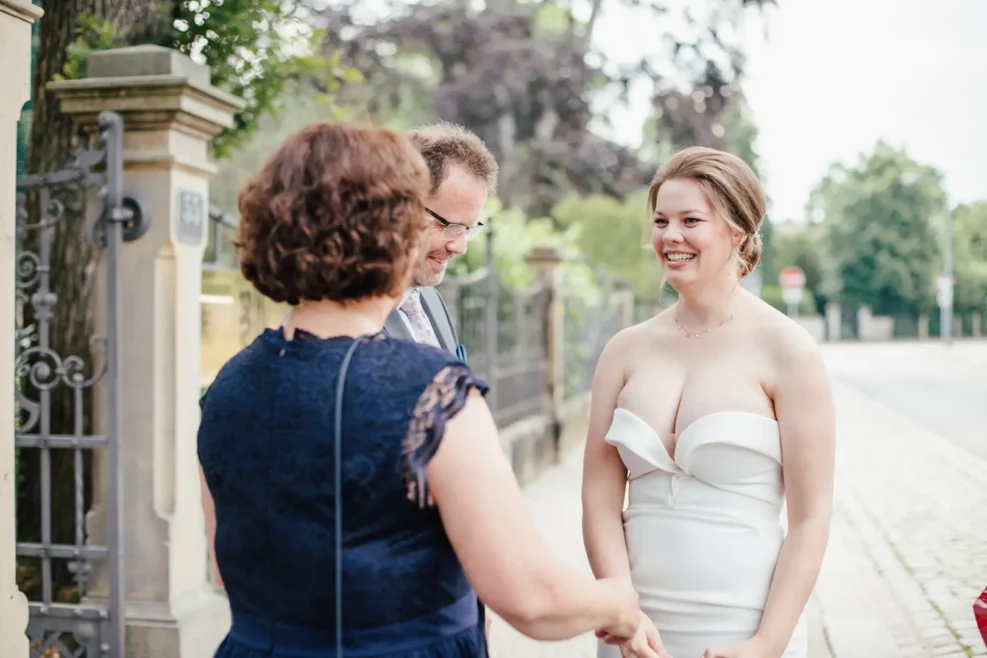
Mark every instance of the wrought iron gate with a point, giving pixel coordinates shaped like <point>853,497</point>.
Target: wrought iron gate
<point>90,624</point>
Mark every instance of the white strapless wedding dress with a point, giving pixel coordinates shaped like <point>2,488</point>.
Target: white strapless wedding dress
<point>703,528</point>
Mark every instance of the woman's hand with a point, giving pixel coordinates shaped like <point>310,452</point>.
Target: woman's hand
<point>645,643</point>
<point>627,619</point>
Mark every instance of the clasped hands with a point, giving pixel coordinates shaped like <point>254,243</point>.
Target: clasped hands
<point>646,643</point>
<point>637,637</point>
<point>633,630</point>
<point>643,642</point>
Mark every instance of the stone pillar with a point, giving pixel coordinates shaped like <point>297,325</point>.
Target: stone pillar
<point>957,326</point>
<point>863,322</point>
<point>16,17</point>
<point>170,113</point>
<point>923,326</point>
<point>834,322</point>
<point>624,299</point>
<point>544,263</point>
<point>977,320</point>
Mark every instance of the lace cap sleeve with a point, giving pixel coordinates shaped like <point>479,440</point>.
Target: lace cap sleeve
<point>444,397</point>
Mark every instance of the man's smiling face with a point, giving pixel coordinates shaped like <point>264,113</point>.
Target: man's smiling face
<point>459,200</point>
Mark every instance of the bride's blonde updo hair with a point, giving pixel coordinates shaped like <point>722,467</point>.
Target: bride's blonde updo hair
<point>732,189</point>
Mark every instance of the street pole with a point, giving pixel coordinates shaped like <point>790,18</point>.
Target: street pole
<point>946,312</point>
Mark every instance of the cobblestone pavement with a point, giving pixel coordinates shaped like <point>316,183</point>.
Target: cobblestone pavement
<point>914,505</point>
<point>908,549</point>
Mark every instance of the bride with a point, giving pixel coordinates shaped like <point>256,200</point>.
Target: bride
<point>719,415</point>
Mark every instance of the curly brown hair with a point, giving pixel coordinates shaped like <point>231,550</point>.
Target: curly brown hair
<point>335,213</point>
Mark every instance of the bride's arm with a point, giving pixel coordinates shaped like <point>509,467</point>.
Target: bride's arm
<point>604,474</point>
<point>804,408</point>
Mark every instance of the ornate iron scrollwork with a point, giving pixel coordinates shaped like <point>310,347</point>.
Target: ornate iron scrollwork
<point>87,628</point>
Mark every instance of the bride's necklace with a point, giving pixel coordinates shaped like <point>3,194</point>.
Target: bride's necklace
<point>697,334</point>
<point>703,332</point>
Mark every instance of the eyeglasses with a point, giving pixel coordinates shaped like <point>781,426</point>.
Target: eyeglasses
<point>452,230</point>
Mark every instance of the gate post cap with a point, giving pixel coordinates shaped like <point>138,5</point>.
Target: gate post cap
<point>543,255</point>
<point>135,61</point>
<point>620,284</point>
<point>22,9</point>
<point>152,88</point>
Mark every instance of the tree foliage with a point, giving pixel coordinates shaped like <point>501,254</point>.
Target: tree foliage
<point>970,240</point>
<point>970,226</point>
<point>252,49</point>
<point>255,49</point>
<point>523,76</point>
<point>614,234</point>
<point>881,217</point>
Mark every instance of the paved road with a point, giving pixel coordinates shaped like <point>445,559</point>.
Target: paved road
<point>943,388</point>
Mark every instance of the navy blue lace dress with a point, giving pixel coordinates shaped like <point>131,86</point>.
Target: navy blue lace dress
<point>266,448</point>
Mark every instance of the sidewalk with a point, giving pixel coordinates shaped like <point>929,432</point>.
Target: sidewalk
<point>907,553</point>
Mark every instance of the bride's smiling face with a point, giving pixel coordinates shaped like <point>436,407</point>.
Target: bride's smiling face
<point>692,241</point>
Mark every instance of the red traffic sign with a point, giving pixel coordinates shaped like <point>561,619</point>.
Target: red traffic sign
<point>792,278</point>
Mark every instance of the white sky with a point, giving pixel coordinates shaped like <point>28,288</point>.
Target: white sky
<point>834,76</point>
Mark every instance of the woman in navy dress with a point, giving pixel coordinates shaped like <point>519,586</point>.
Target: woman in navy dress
<point>430,508</point>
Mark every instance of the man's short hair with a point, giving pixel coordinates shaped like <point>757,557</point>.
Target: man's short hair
<point>443,144</point>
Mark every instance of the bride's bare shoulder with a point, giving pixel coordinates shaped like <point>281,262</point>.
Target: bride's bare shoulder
<point>645,332</point>
<point>781,336</point>
<point>637,339</point>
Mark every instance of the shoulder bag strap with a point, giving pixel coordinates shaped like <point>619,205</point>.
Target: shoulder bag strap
<point>338,486</point>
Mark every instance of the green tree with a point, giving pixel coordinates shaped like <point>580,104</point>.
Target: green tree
<point>970,247</point>
<point>614,234</point>
<point>970,229</point>
<point>880,230</point>
<point>524,76</point>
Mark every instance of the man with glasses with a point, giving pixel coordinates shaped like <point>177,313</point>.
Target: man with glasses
<point>463,173</point>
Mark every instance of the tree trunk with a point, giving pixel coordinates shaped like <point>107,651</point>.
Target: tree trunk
<point>52,140</point>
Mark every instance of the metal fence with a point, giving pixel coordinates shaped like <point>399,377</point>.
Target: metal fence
<point>73,579</point>
<point>505,335</point>
<point>503,330</point>
<point>219,242</point>
<point>587,328</point>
